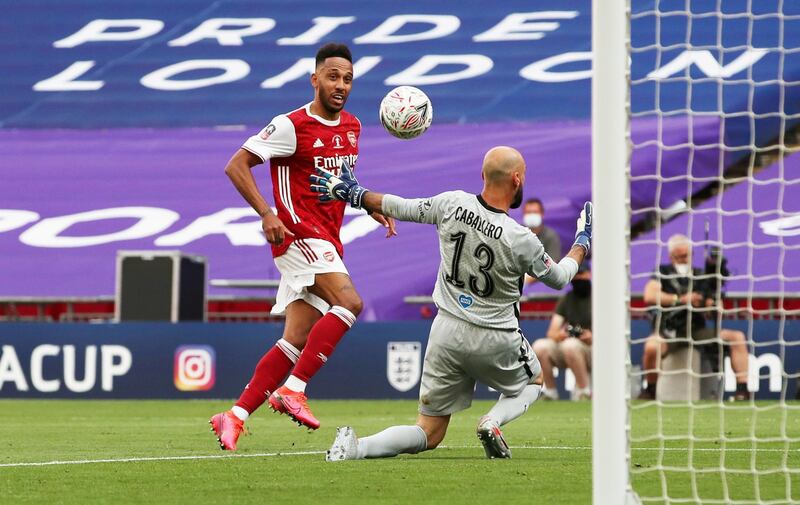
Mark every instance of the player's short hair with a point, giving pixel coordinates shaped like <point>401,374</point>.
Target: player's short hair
<point>333,50</point>
<point>677,240</point>
<point>530,201</point>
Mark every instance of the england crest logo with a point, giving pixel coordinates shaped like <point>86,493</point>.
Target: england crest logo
<point>403,364</point>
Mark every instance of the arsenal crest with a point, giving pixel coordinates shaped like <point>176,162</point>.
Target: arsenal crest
<point>351,136</point>
<point>403,364</point>
<point>328,256</point>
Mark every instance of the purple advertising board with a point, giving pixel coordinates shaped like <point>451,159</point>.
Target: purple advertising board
<point>69,200</point>
<point>756,223</point>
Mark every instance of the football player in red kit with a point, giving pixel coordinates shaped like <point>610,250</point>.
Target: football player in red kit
<point>316,293</point>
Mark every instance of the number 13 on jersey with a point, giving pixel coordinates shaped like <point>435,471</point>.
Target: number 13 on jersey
<point>483,261</point>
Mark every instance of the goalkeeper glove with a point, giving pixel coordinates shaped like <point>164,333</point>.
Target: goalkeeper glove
<point>345,187</point>
<point>583,237</point>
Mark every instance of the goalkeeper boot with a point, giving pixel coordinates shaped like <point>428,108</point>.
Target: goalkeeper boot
<point>345,445</point>
<point>492,439</point>
<point>227,427</point>
<point>295,405</point>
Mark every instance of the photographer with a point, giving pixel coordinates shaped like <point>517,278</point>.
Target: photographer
<point>569,338</point>
<point>680,295</point>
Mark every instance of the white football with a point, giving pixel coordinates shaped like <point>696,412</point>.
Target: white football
<point>406,112</point>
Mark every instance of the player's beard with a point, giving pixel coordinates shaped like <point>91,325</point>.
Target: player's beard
<point>325,100</point>
<point>517,199</point>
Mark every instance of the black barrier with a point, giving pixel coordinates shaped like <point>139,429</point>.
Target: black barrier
<point>196,360</point>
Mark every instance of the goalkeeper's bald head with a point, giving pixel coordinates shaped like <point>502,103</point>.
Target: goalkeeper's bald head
<point>504,174</point>
<point>501,163</point>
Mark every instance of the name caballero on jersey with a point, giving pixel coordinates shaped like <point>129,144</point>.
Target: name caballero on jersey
<point>334,163</point>
<point>478,223</point>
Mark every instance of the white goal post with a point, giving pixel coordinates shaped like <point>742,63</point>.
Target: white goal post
<point>610,194</point>
<point>696,147</point>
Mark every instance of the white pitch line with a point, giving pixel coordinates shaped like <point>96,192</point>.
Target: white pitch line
<point>309,453</point>
<point>161,458</point>
<point>589,448</point>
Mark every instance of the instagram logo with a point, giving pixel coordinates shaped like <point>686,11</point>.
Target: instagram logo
<point>195,367</point>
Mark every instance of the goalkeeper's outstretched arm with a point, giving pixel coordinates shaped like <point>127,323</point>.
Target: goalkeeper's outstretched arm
<point>345,187</point>
<point>417,210</point>
<point>373,202</point>
<point>558,275</point>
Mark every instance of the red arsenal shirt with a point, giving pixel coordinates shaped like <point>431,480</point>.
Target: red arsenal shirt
<point>296,144</point>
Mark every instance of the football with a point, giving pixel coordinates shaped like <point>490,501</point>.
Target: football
<point>406,112</point>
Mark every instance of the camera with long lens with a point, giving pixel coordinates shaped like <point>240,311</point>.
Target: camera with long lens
<point>574,330</point>
<point>716,273</point>
<point>716,270</point>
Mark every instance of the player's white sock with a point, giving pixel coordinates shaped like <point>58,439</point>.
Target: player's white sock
<point>509,408</point>
<point>240,412</point>
<point>295,384</point>
<point>393,441</point>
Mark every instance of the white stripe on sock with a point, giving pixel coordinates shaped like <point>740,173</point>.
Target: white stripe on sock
<point>291,352</point>
<point>345,315</point>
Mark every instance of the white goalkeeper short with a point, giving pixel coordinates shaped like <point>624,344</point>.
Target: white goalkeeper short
<point>299,265</point>
<point>460,353</point>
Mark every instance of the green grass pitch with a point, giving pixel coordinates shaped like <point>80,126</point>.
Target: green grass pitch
<point>281,463</point>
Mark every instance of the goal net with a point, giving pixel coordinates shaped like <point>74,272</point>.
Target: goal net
<point>714,104</point>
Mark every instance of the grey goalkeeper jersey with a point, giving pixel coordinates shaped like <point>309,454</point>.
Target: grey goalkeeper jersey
<point>484,257</point>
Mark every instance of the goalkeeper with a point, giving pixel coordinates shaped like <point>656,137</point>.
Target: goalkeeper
<point>475,336</point>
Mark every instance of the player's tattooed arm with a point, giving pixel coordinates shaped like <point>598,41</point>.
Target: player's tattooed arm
<point>239,170</point>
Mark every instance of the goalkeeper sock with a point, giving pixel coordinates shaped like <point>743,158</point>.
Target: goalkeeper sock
<point>509,408</point>
<point>322,340</point>
<point>270,371</point>
<point>393,441</point>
